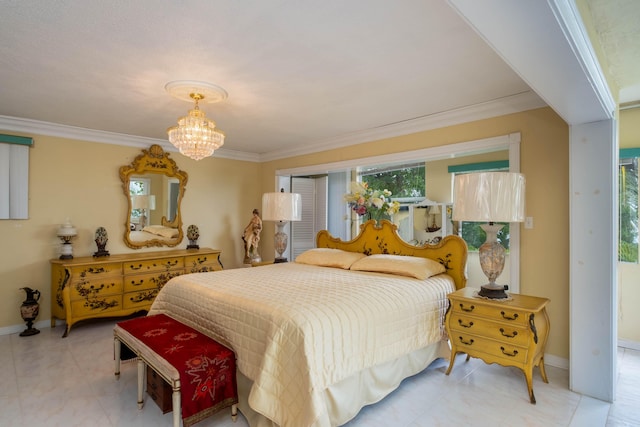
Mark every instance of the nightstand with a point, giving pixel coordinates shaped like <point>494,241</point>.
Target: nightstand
<point>509,333</point>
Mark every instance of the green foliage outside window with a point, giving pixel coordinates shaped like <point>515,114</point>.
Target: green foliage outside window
<point>475,236</point>
<point>402,182</point>
<point>628,210</point>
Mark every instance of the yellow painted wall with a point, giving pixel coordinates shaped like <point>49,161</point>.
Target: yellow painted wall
<point>80,180</point>
<point>629,274</point>
<point>544,262</point>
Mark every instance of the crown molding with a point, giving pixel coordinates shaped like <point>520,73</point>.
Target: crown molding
<point>29,126</point>
<point>507,105</point>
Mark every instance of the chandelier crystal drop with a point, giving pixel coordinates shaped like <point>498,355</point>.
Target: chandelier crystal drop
<point>195,136</point>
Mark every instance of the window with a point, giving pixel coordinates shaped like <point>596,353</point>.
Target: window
<point>628,206</point>
<point>14,176</point>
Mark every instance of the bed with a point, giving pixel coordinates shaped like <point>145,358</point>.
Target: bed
<point>315,341</point>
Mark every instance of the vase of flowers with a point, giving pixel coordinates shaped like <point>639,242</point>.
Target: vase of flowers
<point>369,203</point>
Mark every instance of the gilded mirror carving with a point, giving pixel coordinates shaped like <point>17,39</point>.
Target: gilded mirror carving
<point>154,187</point>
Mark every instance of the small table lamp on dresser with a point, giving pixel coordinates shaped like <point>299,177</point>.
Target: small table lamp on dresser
<point>281,207</point>
<point>491,197</point>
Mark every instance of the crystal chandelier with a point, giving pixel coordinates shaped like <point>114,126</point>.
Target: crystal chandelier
<point>195,136</point>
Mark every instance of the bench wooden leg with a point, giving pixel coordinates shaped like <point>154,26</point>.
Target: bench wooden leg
<point>177,407</point>
<point>141,369</point>
<point>116,352</point>
<point>234,412</point>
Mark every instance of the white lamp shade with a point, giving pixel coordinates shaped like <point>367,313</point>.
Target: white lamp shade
<point>489,197</point>
<point>143,201</point>
<point>67,230</point>
<point>281,207</point>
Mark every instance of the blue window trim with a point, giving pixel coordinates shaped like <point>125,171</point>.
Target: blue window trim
<point>19,140</point>
<point>482,166</point>
<point>626,153</point>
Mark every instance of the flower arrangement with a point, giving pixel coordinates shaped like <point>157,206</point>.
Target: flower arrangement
<point>375,204</point>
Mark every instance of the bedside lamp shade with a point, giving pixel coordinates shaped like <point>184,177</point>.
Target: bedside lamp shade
<point>490,197</point>
<point>281,207</point>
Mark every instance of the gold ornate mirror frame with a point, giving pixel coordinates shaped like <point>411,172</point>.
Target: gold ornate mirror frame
<point>154,164</point>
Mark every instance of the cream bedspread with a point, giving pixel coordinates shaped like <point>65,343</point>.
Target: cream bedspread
<point>298,328</point>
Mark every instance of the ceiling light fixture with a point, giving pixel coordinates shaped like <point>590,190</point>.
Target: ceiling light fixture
<point>196,136</point>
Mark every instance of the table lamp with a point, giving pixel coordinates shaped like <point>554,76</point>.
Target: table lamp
<point>66,232</point>
<point>490,197</point>
<point>281,207</point>
<point>143,202</point>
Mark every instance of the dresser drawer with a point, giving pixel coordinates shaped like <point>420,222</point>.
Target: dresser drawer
<point>137,282</point>
<point>471,344</point>
<point>202,263</point>
<point>96,288</point>
<point>90,272</point>
<point>505,313</point>
<point>508,332</point>
<point>145,266</point>
<point>96,305</point>
<point>140,300</point>
<point>159,390</point>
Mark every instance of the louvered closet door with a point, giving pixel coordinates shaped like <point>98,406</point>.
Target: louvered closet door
<point>314,213</point>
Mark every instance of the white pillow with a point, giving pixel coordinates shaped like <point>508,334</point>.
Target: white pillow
<point>326,257</point>
<point>159,230</point>
<point>420,268</point>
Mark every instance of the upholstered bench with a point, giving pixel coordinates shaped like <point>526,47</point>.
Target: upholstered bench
<point>189,361</point>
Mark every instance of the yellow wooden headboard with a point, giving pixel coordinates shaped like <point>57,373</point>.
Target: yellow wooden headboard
<point>451,251</point>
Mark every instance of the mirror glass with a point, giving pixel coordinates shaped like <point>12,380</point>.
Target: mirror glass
<point>154,187</point>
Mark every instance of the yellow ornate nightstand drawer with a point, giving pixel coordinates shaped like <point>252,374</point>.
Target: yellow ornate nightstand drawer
<point>144,266</point>
<point>96,288</point>
<point>89,272</point>
<point>91,306</point>
<point>140,300</point>
<point>477,308</point>
<point>202,263</point>
<point>467,343</point>
<point>504,331</point>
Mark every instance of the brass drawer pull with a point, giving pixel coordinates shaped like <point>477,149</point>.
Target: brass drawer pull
<point>140,282</point>
<point>513,354</point>
<point>505,317</point>
<point>470,342</point>
<point>97,270</point>
<point>507,335</point>
<point>468,310</point>
<point>170,264</point>
<point>468,325</point>
<point>133,267</point>
<point>202,260</point>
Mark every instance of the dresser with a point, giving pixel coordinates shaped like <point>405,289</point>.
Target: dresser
<point>509,333</point>
<point>119,285</point>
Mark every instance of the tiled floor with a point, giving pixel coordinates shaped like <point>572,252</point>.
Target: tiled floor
<point>49,381</point>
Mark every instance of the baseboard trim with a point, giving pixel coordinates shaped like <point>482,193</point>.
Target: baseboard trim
<point>633,345</point>
<point>14,329</point>
<point>558,362</point>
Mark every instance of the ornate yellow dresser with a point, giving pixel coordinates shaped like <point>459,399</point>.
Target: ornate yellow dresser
<point>509,333</point>
<point>119,285</point>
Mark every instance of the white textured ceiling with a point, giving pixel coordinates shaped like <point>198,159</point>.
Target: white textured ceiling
<point>298,73</point>
<point>617,23</point>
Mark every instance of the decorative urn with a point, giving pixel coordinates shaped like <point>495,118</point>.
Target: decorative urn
<point>29,311</point>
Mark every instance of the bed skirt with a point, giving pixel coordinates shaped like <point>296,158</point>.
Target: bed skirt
<point>345,399</point>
